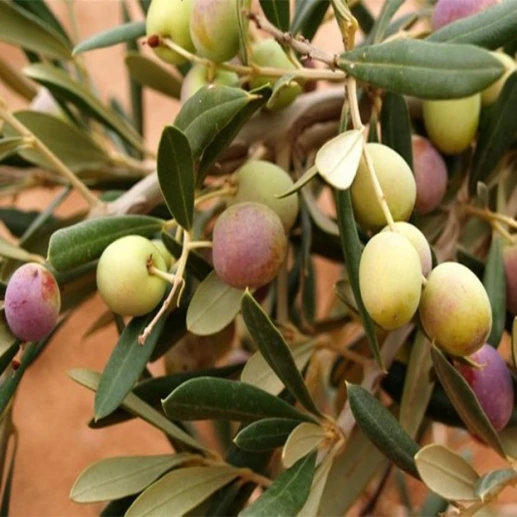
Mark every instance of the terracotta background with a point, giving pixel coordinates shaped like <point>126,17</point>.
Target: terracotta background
<point>51,411</point>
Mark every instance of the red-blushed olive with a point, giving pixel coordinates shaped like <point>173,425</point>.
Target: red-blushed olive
<point>170,19</point>
<point>260,181</point>
<point>214,28</point>
<point>448,11</point>
<point>419,242</point>
<point>430,175</point>
<point>510,271</point>
<point>199,76</point>
<point>390,279</point>
<point>397,183</point>
<point>492,384</point>
<point>455,309</point>
<point>123,278</point>
<point>491,94</point>
<point>452,124</point>
<point>32,302</point>
<point>268,53</point>
<point>249,245</point>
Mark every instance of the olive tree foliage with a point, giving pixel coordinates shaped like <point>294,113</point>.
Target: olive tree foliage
<point>203,249</point>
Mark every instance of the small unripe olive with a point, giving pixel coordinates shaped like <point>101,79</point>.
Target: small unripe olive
<point>32,302</point>
<point>419,242</point>
<point>448,11</point>
<point>390,279</point>
<point>452,124</point>
<point>455,309</point>
<point>170,19</point>
<point>490,94</point>
<point>492,384</point>
<point>166,254</point>
<point>214,28</point>
<point>199,76</point>
<point>269,53</point>
<point>249,245</point>
<point>430,175</point>
<point>261,181</point>
<point>397,183</point>
<point>123,279</point>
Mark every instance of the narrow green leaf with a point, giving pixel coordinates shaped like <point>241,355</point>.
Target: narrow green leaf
<point>423,69</point>
<point>81,243</point>
<point>351,246</point>
<point>113,36</point>
<point>495,285</point>
<point>64,88</point>
<point>492,482</point>
<point>265,435</point>
<point>389,8</point>
<point>300,182</point>
<point>13,251</point>
<point>126,364</point>
<point>147,72</point>
<point>382,428</point>
<point>90,379</point>
<point>213,306</point>
<point>243,6</point>
<point>288,493</point>
<point>21,28</point>
<point>176,175</point>
<point>308,15</point>
<point>446,473</point>
<point>277,12</point>
<point>491,28</point>
<point>208,112</point>
<point>302,441</point>
<point>496,136</point>
<point>465,401</point>
<point>117,477</point>
<point>12,145</point>
<point>181,490</point>
<point>363,16</point>
<point>8,354</point>
<point>275,351</point>
<point>396,126</point>
<point>210,398</point>
<point>70,144</point>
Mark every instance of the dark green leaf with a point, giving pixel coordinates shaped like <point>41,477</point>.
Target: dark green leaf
<point>308,15</point>
<point>423,69</point>
<point>492,482</point>
<point>491,28</point>
<point>277,12</point>
<point>396,126</point>
<point>83,242</point>
<point>382,428</point>
<point>465,401</point>
<point>149,73</point>
<point>389,8</point>
<point>206,397</point>
<point>176,175</point>
<point>8,355</point>
<point>113,36</point>
<point>275,351</point>
<point>17,221</point>
<point>64,88</point>
<point>196,264</point>
<point>496,136</point>
<point>363,16</point>
<point>288,493</point>
<point>118,507</point>
<point>265,435</point>
<point>495,285</point>
<point>40,9</point>
<point>21,28</point>
<point>351,246</point>
<point>125,365</point>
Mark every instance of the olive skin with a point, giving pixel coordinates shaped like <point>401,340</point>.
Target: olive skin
<point>448,11</point>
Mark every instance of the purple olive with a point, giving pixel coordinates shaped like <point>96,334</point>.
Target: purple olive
<point>448,11</point>
<point>32,302</point>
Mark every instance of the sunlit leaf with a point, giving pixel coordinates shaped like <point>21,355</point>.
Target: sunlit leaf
<point>492,482</point>
<point>113,36</point>
<point>303,440</point>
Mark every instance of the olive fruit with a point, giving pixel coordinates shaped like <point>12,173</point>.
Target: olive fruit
<point>452,124</point>
<point>249,245</point>
<point>123,280</point>
<point>430,175</point>
<point>490,94</point>
<point>32,302</point>
<point>455,309</point>
<point>261,181</point>
<point>390,279</point>
<point>448,11</point>
<point>199,76</point>
<point>397,183</point>
<point>492,384</point>
<point>170,19</point>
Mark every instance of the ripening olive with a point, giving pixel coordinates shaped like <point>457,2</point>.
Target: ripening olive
<point>448,11</point>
